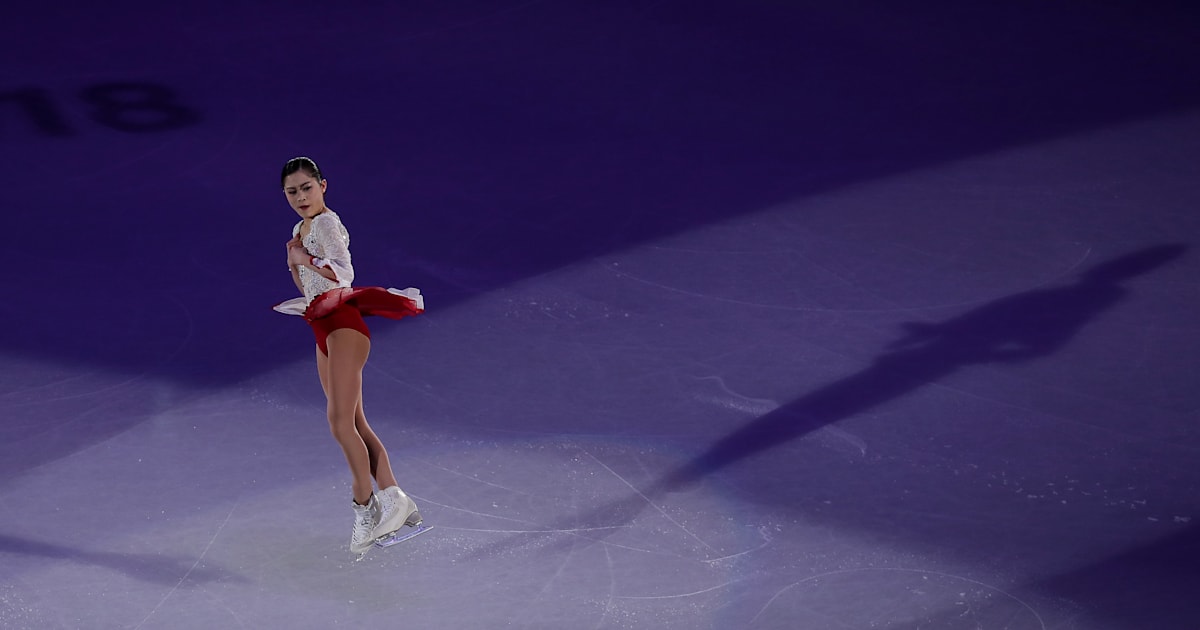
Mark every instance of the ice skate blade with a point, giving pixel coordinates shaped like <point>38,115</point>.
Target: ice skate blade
<point>402,535</point>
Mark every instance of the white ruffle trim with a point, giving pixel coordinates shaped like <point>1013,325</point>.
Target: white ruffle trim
<point>294,306</point>
<point>411,293</point>
<point>298,306</point>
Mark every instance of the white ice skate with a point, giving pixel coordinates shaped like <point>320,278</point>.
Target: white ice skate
<point>400,520</point>
<point>366,520</point>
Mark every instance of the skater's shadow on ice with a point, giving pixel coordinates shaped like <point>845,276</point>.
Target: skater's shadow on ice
<point>1017,328</point>
<point>169,571</point>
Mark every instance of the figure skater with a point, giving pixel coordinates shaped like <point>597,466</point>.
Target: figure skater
<point>318,257</point>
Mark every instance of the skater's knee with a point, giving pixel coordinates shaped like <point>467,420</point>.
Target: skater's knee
<point>341,425</point>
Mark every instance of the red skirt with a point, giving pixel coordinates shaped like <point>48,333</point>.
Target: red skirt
<point>345,308</point>
<point>393,303</point>
<point>390,303</point>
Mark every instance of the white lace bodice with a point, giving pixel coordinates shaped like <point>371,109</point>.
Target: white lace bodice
<point>329,242</point>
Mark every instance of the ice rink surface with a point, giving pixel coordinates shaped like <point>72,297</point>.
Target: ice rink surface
<point>740,315</point>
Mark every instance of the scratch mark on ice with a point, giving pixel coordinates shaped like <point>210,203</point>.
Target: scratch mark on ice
<point>650,503</point>
<point>189,571</point>
<point>681,595</point>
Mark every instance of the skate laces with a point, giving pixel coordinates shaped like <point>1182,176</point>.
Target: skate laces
<point>363,523</point>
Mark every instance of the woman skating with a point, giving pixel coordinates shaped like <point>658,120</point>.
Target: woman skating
<point>318,256</point>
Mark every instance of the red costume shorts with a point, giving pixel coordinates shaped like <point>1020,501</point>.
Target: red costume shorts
<point>345,308</point>
<point>343,316</point>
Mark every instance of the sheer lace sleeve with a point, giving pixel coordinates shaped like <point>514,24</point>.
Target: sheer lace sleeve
<point>332,247</point>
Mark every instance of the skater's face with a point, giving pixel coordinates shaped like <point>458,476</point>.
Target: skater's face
<point>305,193</point>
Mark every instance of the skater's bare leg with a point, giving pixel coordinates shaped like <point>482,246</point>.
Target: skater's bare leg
<point>341,378</point>
<point>381,467</point>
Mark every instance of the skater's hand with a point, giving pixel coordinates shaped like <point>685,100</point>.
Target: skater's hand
<point>296,254</point>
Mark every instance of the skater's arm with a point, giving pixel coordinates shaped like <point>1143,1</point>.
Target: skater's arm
<point>304,259</point>
<point>292,267</point>
<point>333,244</point>
<point>299,257</point>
